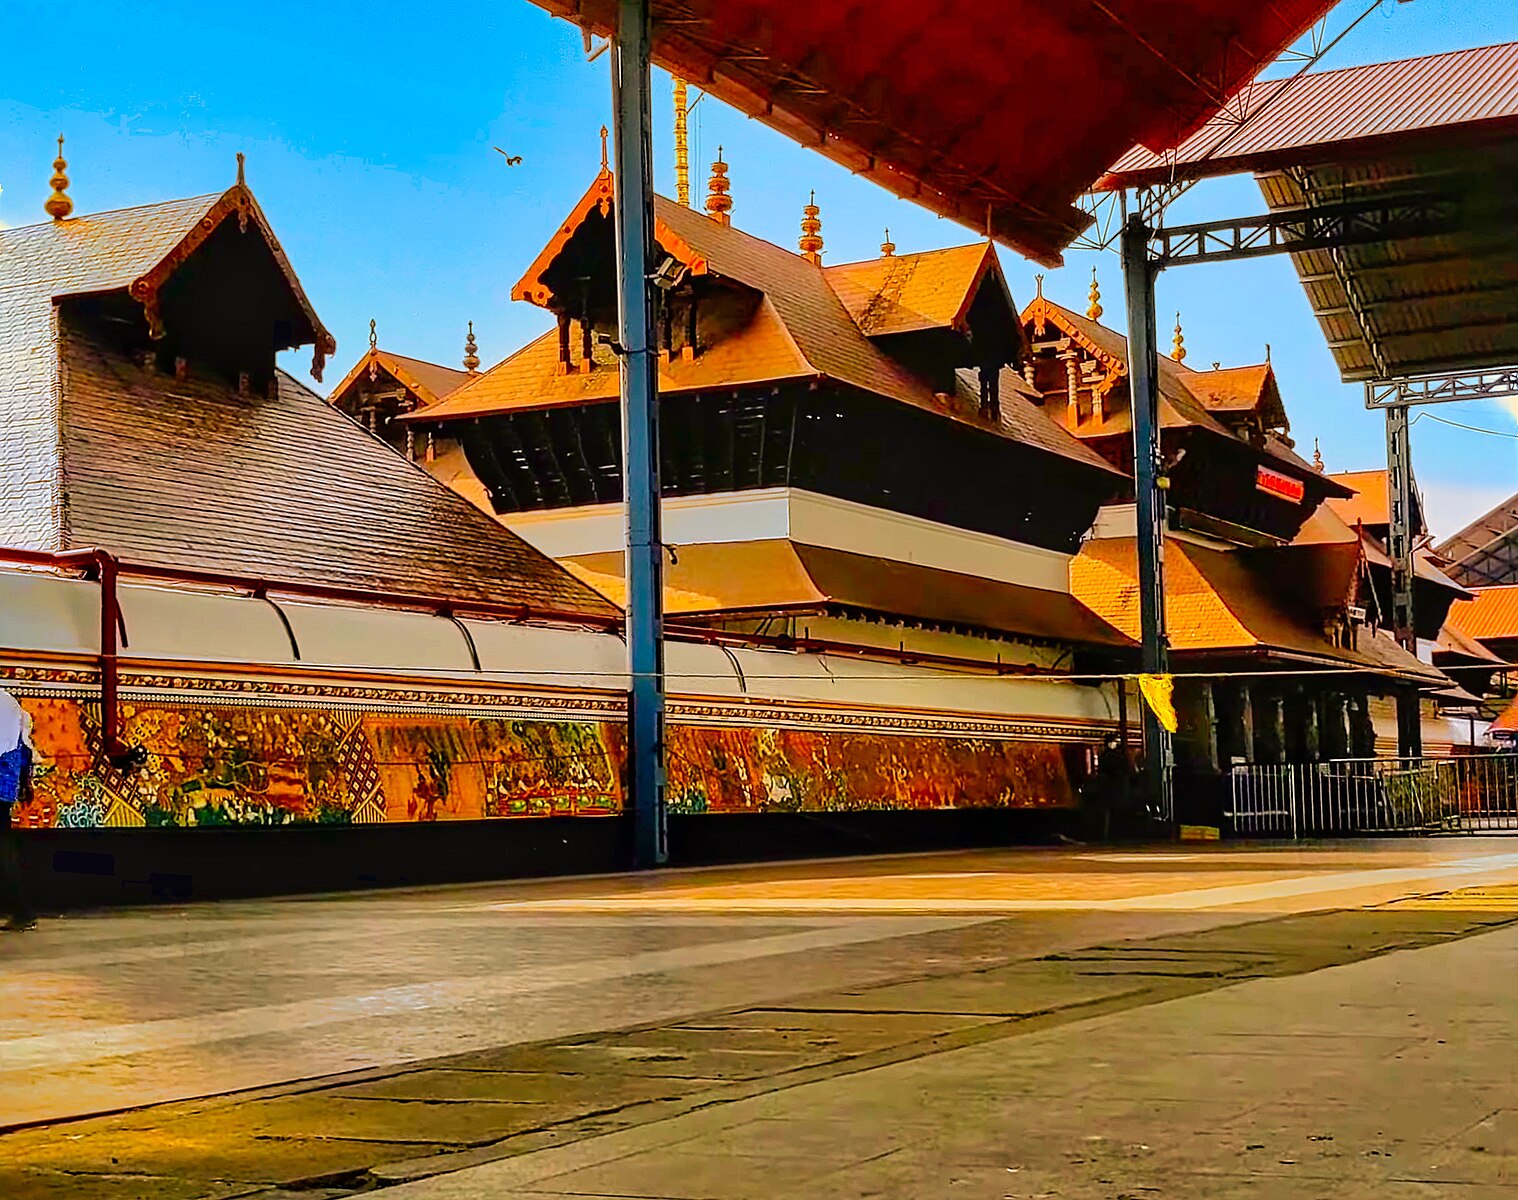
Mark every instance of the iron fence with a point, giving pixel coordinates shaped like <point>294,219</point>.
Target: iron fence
<point>1468,793</point>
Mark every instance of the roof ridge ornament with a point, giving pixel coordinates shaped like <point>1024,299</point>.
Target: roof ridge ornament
<point>719,205</point>
<point>242,178</point>
<point>811,231</point>
<point>58,205</point>
<point>887,247</point>
<point>1094,309</point>
<point>1317,457</point>
<point>471,352</point>
<point>605,162</point>
<point>1178,351</point>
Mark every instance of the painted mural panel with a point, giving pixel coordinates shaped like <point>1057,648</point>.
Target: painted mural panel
<point>210,765</point>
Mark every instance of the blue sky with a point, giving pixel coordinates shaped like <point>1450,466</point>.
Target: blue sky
<point>369,126</point>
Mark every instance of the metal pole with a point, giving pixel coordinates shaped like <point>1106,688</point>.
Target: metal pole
<point>633,186</point>
<point>1399,504</point>
<point>1143,380</point>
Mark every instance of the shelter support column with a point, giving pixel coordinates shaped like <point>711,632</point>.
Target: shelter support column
<point>1143,366</point>
<point>633,189</point>
<point>1399,507</point>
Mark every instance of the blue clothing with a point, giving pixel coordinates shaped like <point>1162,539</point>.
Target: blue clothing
<point>15,765</point>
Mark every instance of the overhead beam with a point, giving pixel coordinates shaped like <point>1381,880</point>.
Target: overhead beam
<point>1444,388</point>
<point>1292,231</point>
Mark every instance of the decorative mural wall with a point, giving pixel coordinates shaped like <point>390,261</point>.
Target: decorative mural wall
<point>210,765</point>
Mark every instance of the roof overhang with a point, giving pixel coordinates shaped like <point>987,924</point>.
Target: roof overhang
<point>924,99</point>
<point>1440,126</point>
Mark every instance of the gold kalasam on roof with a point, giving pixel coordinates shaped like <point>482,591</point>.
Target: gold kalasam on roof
<point>810,243</point>
<point>719,205</point>
<point>1094,309</point>
<point>471,352</point>
<point>58,205</point>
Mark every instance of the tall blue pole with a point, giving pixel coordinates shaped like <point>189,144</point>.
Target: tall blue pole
<point>634,214</point>
<point>1149,496</point>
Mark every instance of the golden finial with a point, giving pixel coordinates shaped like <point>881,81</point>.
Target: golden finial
<point>373,335</point>
<point>682,143</point>
<point>811,232</point>
<point>242,180</point>
<point>1094,309</point>
<point>1038,283</point>
<point>58,205</point>
<point>887,247</point>
<point>1178,352</point>
<point>719,205</point>
<point>1317,456</point>
<point>471,352</point>
<point>604,160</point>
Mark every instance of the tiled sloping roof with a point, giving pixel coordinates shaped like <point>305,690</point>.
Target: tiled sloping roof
<point>761,352</point>
<point>1183,392</point>
<point>1231,389</point>
<point>429,381</point>
<point>904,293</point>
<point>1491,615</point>
<point>778,575</point>
<point>1214,601</point>
<point>37,262</point>
<point>1368,504</point>
<point>800,329</point>
<point>189,473</point>
<point>1507,720</point>
<point>1456,642</point>
<point>1178,405</point>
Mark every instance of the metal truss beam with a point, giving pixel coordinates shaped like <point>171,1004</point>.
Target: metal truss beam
<point>1444,388</point>
<point>1292,231</point>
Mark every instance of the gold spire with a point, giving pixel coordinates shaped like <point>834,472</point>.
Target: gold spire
<point>604,161</point>
<point>887,247</point>
<point>58,205</point>
<point>1094,309</point>
<point>471,352</point>
<point>1038,282</point>
<point>1178,351</point>
<point>373,335</point>
<point>682,143</point>
<point>242,160</point>
<point>1317,456</point>
<point>373,346</point>
<point>719,205</point>
<point>811,232</point>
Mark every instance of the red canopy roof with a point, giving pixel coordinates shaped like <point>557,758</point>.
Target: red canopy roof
<point>996,113</point>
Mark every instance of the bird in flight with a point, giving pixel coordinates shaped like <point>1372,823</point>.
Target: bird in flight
<point>512,160</point>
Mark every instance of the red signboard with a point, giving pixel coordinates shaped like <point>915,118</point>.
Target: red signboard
<point>1280,485</point>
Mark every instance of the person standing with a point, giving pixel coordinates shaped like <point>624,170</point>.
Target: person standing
<point>15,787</point>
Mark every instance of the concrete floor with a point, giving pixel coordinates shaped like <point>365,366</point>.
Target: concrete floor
<point>124,1008</point>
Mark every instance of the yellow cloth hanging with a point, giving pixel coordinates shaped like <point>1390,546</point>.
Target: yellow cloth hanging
<point>1159,694</point>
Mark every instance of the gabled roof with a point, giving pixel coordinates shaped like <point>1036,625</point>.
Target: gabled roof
<point>191,473</point>
<point>138,249</point>
<point>799,329</point>
<point>777,575</point>
<point>429,382</point>
<point>1368,504</point>
<point>1216,602</point>
<point>905,293</point>
<point>1491,616</point>
<point>1185,395</point>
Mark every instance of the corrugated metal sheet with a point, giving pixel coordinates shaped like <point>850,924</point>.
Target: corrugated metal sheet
<point>1321,116</point>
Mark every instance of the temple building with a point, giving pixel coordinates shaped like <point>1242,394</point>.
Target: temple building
<point>384,386</point>
<point>1266,582</point>
<point>851,454</point>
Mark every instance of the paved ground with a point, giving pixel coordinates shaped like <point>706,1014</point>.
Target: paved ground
<point>1025,1023</point>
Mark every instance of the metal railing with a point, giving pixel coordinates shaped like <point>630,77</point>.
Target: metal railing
<point>1468,793</point>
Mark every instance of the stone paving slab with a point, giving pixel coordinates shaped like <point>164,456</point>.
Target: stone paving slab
<point>925,1055</point>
